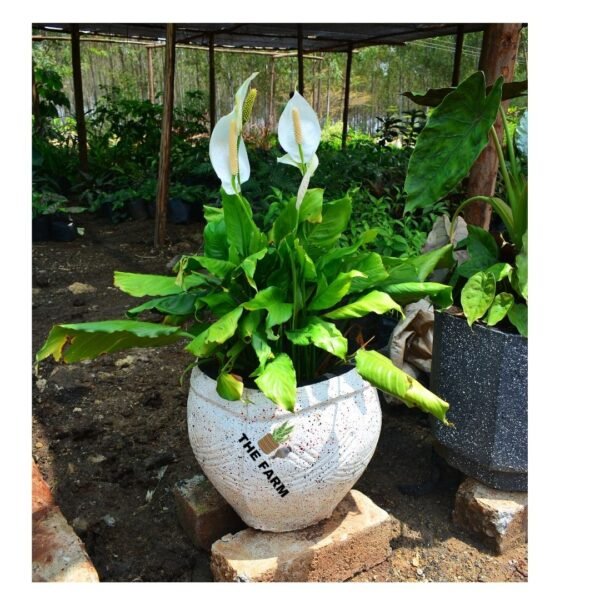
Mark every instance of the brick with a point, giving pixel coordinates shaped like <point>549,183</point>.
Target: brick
<point>355,538</point>
<point>203,513</point>
<point>498,518</point>
<point>57,553</point>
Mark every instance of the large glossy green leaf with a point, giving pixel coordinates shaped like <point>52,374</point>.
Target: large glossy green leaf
<point>278,382</point>
<point>285,223</point>
<point>263,351</point>
<point>272,300</point>
<point>477,295</point>
<point>322,334</point>
<point>403,293</point>
<point>517,315</point>
<point>373,302</point>
<point>212,213</point>
<point>383,374</point>
<point>179,304</point>
<point>433,97</point>
<point>248,265</point>
<point>334,291</point>
<point>419,268</point>
<point>321,236</point>
<point>139,285</point>
<point>454,136</point>
<point>312,206</point>
<point>229,386</point>
<point>218,333</point>
<point>500,271</point>
<point>220,303</point>
<point>80,341</point>
<point>307,266</point>
<point>329,263</point>
<point>499,308</point>
<point>249,324</point>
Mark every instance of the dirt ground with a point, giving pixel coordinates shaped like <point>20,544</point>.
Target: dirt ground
<point>110,435</point>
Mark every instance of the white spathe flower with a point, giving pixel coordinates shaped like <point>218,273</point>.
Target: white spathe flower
<point>299,132</point>
<point>226,150</point>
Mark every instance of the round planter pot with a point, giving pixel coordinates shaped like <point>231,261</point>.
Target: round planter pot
<point>178,211</point>
<point>298,482</point>
<point>62,230</point>
<point>482,373</point>
<point>40,228</point>
<point>137,209</point>
<point>197,211</point>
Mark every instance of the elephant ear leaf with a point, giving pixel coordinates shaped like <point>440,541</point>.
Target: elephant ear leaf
<point>80,341</point>
<point>454,136</point>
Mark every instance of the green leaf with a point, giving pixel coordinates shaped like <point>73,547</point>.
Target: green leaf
<point>454,136</point>
<point>322,334</point>
<point>249,324</point>
<point>278,382</point>
<point>383,374</point>
<point>403,293</point>
<point>373,302</point>
<point>220,303</point>
<point>80,341</point>
<point>215,240</point>
<point>179,304</point>
<point>242,233</point>
<point>483,251</point>
<point>311,207</point>
<point>330,261</point>
<point>517,315</point>
<point>229,386</point>
<point>500,271</point>
<point>286,222</point>
<point>216,266</point>
<point>334,291</point>
<point>477,295</point>
<point>323,235</point>
<point>522,263</point>
<point>371,266</point>
<point>218,333</point>
<point>212,213</point>
<point>138,285</point>
<point>499,308</point>
<point>309,271</point>
<point>263,352</point>
<point>271,299</point>
<point>419,268</point>
<point>248,265</point>
<point>434,96</point>
<point>521,137</point>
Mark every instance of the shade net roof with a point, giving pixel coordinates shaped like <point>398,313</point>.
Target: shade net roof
<point>316,37</point>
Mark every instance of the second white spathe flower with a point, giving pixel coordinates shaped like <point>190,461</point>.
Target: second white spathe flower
<point>299,132</point>
<point>227,150</point>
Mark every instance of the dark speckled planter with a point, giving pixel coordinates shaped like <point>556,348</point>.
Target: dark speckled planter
<point>482,373</point>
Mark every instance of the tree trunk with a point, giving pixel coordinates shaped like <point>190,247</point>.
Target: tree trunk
<point>78,92</point>
<point>162,193</point>
<point>498,55</point>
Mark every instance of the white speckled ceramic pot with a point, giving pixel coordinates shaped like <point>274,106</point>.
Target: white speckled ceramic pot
<point>298,482</point>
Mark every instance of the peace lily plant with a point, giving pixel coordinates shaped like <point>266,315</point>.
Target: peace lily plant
<point>269,308</point>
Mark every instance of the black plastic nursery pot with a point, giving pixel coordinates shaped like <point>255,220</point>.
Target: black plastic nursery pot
<point>196,211</point>
<point>62,229</point>
<point>137,209</point>
<point>178,211</point>
<point>482,373</point>
<point>40,228</point>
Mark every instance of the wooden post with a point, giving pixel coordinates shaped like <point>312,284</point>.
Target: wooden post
<point>347,96</point>
<point>212,89</point>
<point>150,75</point>
<point>272,97</point>
<point>162,193</point>
<point>35,101</point>
<point>300,61</point>
<point>498,55</point>
<point>460,35</point>
<point>78,91</point>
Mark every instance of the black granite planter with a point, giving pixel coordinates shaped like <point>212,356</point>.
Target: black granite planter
<point>482,373</point>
